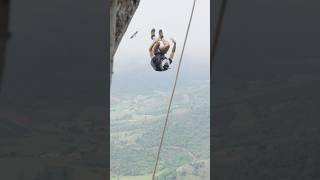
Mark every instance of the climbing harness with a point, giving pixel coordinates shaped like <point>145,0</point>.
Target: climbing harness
<point>173,90</point>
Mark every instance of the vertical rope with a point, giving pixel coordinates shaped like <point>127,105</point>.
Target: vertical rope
<point>173,90</point>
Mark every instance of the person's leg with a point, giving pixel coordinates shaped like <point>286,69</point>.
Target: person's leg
<point>165,46</point>
<point>151,50</point>
<point>155,47</point>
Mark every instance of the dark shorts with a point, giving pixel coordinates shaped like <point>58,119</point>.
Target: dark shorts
<point>156,62</point>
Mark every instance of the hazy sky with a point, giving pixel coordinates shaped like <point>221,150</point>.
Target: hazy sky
<point>172,17</point>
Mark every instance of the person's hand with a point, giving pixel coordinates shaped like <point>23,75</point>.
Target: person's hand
<point>173,40</point>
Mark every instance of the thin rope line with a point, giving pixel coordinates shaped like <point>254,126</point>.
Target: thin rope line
<point>174,88</point>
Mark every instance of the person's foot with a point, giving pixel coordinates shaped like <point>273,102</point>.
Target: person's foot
<point>160,33</point>
<point>153,31</point>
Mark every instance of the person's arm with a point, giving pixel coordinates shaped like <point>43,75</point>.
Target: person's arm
<point>173,49</point>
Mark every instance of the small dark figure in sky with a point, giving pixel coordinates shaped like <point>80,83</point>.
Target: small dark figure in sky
<point>134,35</point>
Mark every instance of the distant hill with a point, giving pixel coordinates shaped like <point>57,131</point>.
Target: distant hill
<point>136,121</point>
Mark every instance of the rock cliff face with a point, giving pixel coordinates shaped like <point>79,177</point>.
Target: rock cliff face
<point>121,13</point>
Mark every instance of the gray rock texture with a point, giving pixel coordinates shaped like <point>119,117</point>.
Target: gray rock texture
<point>121,13</point>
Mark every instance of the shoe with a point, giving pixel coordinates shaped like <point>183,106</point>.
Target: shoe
<point>153,31</point>
<point>160,33</point>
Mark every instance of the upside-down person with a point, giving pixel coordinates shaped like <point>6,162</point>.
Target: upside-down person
<point>158,51</point>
